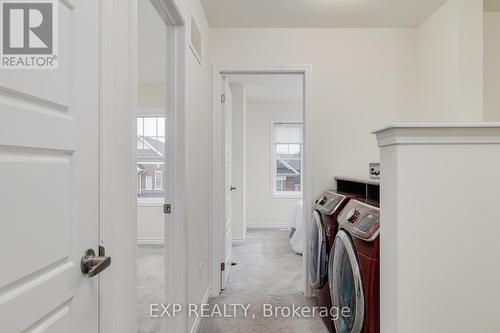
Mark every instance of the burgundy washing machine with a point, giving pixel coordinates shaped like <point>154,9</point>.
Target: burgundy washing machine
<point>323,230</point>
<point>354,268</point>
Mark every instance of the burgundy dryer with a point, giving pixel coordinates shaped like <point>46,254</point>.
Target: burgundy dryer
<point>354,267</point>
<point>323,231</point>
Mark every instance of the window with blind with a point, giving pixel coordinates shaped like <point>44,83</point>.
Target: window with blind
<point>286,161</point>
<point>150,156</point>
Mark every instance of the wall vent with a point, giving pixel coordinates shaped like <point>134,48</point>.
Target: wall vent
<point>195,40</point>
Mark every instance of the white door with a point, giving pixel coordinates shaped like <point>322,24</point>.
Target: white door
<point>49,193</point>
<point>228,187</point>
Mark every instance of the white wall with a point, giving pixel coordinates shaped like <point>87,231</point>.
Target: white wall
<point>361,79</point>
<point>438,242</point>
<point>238,161</point>
<point>150,224</point>
<point>151,95</point>
<point>492,66</point>
<point>450,64</point>
<point>263,210</point>
<point>198,171</point>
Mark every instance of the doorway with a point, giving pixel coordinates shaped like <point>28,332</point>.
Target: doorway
<point>160,164</point>
<point>284,179</point>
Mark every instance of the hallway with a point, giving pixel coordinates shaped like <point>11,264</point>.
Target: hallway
<point>267,272</point>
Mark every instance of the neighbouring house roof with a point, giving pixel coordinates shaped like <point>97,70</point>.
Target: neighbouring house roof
<point>288,168</point>
<point>150,148</point>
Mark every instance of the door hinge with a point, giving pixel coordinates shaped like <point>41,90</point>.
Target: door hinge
<point>222,266</point>
<point>167,209</point>
<point>223,98</point>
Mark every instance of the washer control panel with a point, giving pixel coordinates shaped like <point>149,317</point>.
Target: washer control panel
<point>328,202</point>
<point>361,220</point>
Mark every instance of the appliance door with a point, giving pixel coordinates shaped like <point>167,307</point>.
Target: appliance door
<point>346,288</point>
<point>318,267</point>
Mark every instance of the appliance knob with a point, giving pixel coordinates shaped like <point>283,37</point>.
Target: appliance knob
<point>350,215</point>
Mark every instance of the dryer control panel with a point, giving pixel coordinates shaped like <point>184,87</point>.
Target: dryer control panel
<point>328,202</point>
<point>360,220</point>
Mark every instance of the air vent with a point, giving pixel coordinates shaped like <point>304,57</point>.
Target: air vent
<point>195,39</point>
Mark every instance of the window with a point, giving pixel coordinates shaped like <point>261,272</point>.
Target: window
<point>158,180</point>
<point>150,156</point>
<point>286,161</point>
<point>149,183</point>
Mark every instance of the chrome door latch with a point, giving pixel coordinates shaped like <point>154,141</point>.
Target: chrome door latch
<point>92,264</point>
<point>167,209</point>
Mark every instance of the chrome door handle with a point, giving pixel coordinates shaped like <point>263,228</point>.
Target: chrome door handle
<point>232,188</point>
<point>92,264</point>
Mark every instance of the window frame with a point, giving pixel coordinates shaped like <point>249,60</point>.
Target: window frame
<point>274,159</point>
<point>151,112</point>
<point>156,188</point>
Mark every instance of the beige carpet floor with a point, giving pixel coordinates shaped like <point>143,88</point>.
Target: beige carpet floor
<point>267,272</point>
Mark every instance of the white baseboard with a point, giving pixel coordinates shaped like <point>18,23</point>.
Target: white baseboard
<point>151,241</point>
<point>196,325</point>
<point>238,241</point>
<point>263,225</point>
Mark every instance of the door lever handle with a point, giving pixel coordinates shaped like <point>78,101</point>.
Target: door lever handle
<point>92,264</point>
<point>232,188</point>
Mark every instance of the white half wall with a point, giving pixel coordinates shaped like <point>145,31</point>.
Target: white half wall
<point>439,231</point>
<point>361,79</point>
<point>238,161</point>
<point>264,211</point>
<point>492,66</point>
<point>150,223</point>
<point>450,64</point>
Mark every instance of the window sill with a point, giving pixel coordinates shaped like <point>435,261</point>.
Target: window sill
<point>287,196</point>
<point>149,202</point>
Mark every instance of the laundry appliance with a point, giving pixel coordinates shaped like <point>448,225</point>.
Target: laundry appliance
<point>322,234</point>
<point>354,268</point>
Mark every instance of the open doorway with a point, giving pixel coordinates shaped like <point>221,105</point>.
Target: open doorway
<point>151,164</point>
<point>160,145</point>
<point>260,185</point>
<point>266,178</point>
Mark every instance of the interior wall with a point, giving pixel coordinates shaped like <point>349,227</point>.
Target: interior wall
<point>238,161</point>
<point>262,210</point>
<point>492,66</point>
<point>450,64</point>
<point>361,80</point>
<point>198,144</point>
<point>151,95</point>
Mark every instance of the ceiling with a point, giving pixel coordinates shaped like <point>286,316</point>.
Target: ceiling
<point>151,42</point>
<point>270,87</point>
<point>492,5</point>
<point>318,13</point>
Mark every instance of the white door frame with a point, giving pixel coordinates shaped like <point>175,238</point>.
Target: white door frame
<point>118,197</point>
<point>218,167</point>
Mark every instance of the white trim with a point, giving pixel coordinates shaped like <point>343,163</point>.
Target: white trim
<point>237,241</point>
<point>196,325</point>
<point>217,159</point>
<point>265,225</point>
<point>150,202</point>
<point>118,169</point>
<point>151,241</point>
<point>118,176</point>
<point>151,111</point>
<point>175,174</point>
<point>488,133</point>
